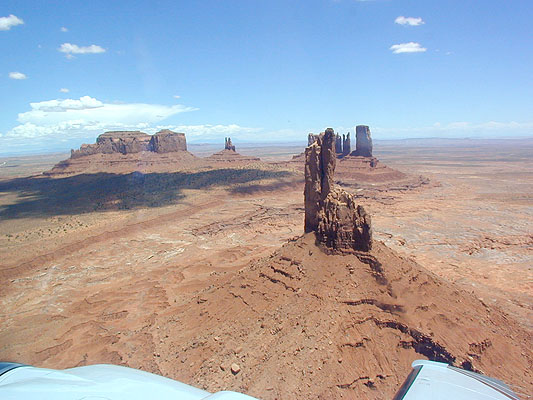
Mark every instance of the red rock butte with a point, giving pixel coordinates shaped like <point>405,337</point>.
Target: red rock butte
<point>128,151</point>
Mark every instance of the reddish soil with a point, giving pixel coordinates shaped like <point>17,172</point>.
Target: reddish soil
<point>185,273</point>
<point>231,157</point>
<point>146,162</point>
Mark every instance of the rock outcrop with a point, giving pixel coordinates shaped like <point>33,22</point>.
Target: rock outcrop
<point>230,156</point>
<point>346,144</point>
<point>312,138</point>
<point>338,222</point>
<point>228,145</point>
<point>363,141</point>
<point>338,144</point>
<point>166,141</point>
<point>128,142</point>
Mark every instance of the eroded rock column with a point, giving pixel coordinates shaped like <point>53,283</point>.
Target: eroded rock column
<point>338,222</point>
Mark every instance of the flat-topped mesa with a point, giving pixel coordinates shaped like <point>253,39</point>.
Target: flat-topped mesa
<point>363,141</point>
<point>127,142</point>
<point>339,224</point>
<point>228,145</point>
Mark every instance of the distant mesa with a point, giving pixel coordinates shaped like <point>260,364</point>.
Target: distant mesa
<point>129,151</point>
<point>128,142</point>
<point>332,213</point>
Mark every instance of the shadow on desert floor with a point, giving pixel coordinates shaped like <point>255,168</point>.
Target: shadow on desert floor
<point>45,196</point>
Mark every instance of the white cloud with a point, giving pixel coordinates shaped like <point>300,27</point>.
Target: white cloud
<point>70,49</point>
<point>411,47</point>
<point>17,75</point>
<point>49,106</point>
<point>411,21</point>
<point>208,131</point>
<point>64,90</point>
<point>176,96</point>
<point>6,23</point>
<point>83,117</point>
<point>63,29</point>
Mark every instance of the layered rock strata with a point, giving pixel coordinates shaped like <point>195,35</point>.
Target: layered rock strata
<point>338,222</point>
<point>128,142</point>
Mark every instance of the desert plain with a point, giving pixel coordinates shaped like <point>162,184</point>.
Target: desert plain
<point>140,268</point>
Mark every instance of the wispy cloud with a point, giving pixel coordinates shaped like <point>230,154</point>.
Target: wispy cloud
<point>411,21</point>
<point>64,29</point>
<point>6,23</point>
<point>69,49</point>
<point>86,116</point>
<point>17,75</point>
<point>411,47</point>
<point>64,90</point>
<point>208,131</point>
<point>176,96</point>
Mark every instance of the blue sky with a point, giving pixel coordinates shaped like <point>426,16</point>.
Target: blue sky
<point>263,70</point>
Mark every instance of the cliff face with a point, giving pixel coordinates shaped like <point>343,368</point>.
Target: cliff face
<point>166,141</point>
<point>127,142</point>
<point>363,141</point>
<point>338,222</point>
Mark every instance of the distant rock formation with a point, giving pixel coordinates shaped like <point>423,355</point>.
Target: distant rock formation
<point>229,155</point>
<point>331,212</point>
<point>228,145</point>
<point>127,142</point>
<point>363,142</point>
<point>346,145</point>
<point>312,138</point>
<point>166,141</point>
<point>338,144</point>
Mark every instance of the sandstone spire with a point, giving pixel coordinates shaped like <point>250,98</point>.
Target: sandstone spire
<point>346,145</point>
<point>228,145</point>
<point>338,144</point>
<point>339,224</point>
